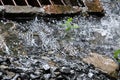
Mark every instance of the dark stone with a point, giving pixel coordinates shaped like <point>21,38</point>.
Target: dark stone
<point>8,61</point>
<point>16,77</point>
<point>34,76</point>
<point>15,70</point>
<point>1,61</point>
<point>47,76</point>
<point>24,76</point>
<point>1,75</point>
<point>60,78</point>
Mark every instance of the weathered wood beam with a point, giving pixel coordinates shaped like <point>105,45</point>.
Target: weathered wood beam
<point>51,7</point>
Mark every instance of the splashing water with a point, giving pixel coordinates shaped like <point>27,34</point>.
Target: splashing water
<point>93,35</point>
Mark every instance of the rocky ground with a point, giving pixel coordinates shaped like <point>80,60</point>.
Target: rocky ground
<point>45,68</point>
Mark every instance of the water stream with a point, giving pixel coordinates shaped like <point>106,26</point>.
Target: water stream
<point>94,34</point>
<point>46,37</point>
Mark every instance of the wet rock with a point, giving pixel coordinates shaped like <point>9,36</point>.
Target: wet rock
<point>65,70</point>
<point>9,41</point>
<point>34,76</point>
<point>16,77</point>
<point>52,64</point>
<point>90,75</point>
<point>47,76</point>
<point>15,70</point>
<point>103,63</point>
<point>60,78</point>
<point>45,58</point>
<point>24,76</point>
<point>1,75</point>
<point>10,74</point>
<point>3,67</point>
<point>1,60</point>
<point>2,45</point>
<point>55,72</point>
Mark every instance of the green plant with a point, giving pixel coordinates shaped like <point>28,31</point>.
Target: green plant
<point>69,25</point>
<point>116,55</point>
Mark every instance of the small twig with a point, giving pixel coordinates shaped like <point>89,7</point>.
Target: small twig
<point>2,2</point>
<point>51,2</point>
<point>14,2</point>
<point>63,2</point>
<point>27,3</point>
<point>39,3</point>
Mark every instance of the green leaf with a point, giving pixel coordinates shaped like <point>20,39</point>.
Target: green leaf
<point>116,53</point>
<point>68,29</point>
<point>68,24</point>
<point>119,60</point>
<point>69,19</point>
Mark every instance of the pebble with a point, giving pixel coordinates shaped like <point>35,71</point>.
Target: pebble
<point>65,70</point>
<point>90,75</point>
<point>47,76</point>
<point>46,66</point>
<point>34,76</point>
